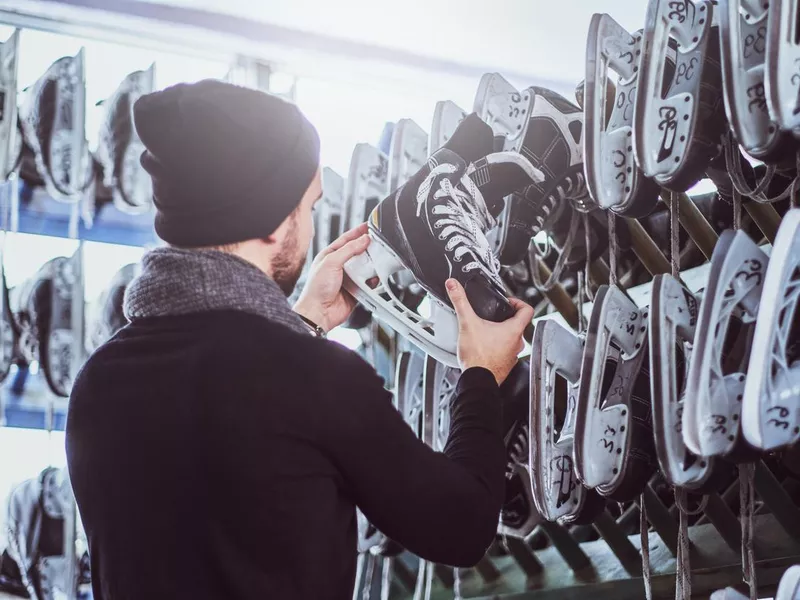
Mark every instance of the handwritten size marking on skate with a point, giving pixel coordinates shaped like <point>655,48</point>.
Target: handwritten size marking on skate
<point>555,372</point>
<point>716,381</point>
<point>665,125</point>
<point>615,346</point>
<point>614,179</point>
<point>782,66</point>
<point>743,38</point>
<point>770,419</point>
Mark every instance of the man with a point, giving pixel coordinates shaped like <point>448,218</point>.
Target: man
<point>217,449</point>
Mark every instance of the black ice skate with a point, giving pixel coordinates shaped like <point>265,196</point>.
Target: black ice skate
<point>555,378</point>
<point>722,347</point>
<point>53,119</point>
<point>678,133</point>
<point>435,226</point>
<point>119,148</point>
<point>770,418</point>
<point>547,129</point>
<point>614,451</point>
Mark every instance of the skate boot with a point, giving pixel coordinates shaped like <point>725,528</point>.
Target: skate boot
<point>119,147</point>
<point>555,377</point>
<point>716,378</point>
<point>546,129</point>
<point>743,37</point>
<point>789,587</point>
<point>678,133</point>
<point>782,63</point>
<point>53,119</point>
<point>614,451</point>
<point>435,226</point>
<point>673,318</point>
<point>770,419</point>
<point>109,316</point>
<point>615,181</point>
<point>10,140</point>
<point>43,310</point>
<point>447,116</point>
<point>367,184</point>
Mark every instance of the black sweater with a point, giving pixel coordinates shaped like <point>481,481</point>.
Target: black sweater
<point>221,455</point>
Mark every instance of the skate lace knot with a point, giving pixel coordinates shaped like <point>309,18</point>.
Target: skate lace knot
<point>463,219</point>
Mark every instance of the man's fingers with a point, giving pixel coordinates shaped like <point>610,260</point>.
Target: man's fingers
<point>458,297</point>
<point>346,237</point>
<point>524,312</point>
<point>349,250</point>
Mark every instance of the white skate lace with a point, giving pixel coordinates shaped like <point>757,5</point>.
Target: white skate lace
<point>463,220</point>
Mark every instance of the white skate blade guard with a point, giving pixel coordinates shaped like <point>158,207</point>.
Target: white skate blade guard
<point>436,336</point>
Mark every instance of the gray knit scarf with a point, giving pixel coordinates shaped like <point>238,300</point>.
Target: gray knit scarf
<point>180,282</point>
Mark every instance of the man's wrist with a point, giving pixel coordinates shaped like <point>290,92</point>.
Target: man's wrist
<point>315,317</point>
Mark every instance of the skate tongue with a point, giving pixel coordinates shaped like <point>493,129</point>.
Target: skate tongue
<point>501,174</point>
<point>472,140</point>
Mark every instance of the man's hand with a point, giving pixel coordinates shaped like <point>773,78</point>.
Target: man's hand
<point>323,300</point>
<point>494,346</point>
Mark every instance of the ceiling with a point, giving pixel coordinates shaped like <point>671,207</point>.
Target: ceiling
<point>535,40</point>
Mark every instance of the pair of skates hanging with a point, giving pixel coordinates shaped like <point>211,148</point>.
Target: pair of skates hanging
<point>435,226</point>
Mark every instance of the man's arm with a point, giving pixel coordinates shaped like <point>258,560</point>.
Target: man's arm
<point>443,507</point>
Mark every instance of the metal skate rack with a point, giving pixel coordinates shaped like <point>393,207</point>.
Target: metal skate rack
<point>604,559</point>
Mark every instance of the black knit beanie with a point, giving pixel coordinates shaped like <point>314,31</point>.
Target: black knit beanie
<point>228,163</point>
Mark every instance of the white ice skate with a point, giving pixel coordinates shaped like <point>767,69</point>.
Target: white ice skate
<point>782,63</point>
<point>555,377</point>
<point>614,179</point>
<point>716,378</point>
<point>743,36</point>
<point>10,140</point>
<point>447,116</point>
<point>771,404</point>
<point>53,119</point>
<point>674,311</point>
<point>119,148</point>
<point>613,431</point>
<point>677,133</point>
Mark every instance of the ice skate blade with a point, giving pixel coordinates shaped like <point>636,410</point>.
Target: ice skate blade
<point>555,352</point>
<point>409,389</point>
<point>439,384</point>
<point>712,410</point>
<point>604,423</point>
<point>615,181</point>
<point>728,594</point>
<point>770,418</point>
<point>437,336</point>
<point>743,31</point>
<point>673,319</point>
<point>367,184</point>
<point>328,211</point>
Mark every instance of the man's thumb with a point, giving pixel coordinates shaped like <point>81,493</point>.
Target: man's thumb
<point>458,297</point>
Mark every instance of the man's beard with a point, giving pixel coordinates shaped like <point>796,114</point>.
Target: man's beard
<point>288,265</point>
